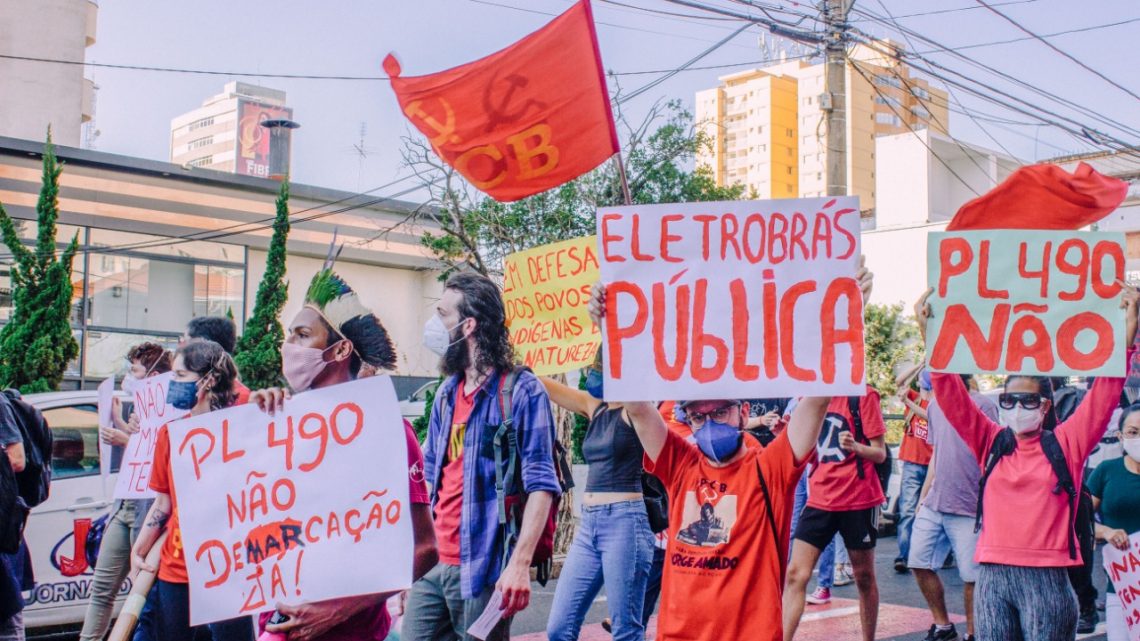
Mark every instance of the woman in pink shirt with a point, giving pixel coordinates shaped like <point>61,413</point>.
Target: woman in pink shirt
<point>1023,589</point>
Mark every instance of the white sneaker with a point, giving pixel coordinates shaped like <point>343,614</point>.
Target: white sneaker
<point>843,574</point>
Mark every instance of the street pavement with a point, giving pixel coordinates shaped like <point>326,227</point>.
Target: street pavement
<point>902,611</point>
<point>903,615</point>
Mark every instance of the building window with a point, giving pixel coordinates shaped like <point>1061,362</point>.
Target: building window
<point>920,113</point>
<point>201,142</point>
<point>888,119</point>
<point>789,189</point>
<point>921,93</point>
<point>889,81</point>
<point>789,171</point>
<point>888,100</point>
<point>790,151</point>
<point>201,161</point>
<point>818,176</point>
<point>791,133</point>
<point>201,122</point>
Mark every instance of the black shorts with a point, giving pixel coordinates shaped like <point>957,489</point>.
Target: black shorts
<point>858,527</point>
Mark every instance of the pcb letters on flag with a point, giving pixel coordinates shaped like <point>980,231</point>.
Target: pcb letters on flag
<point>307,505</point>
<point>732,299</point>
<point>523,120</point>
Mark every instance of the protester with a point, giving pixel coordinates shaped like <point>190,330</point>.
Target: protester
<point>469,333</point>
<point>330,340</point>
<point>114,559</point>
<point>1027,513</point>
<point>914,453</point>
<point>945,520</point>
<point>765,418</point>
<point>843,497</point>
<point>1115,487</point>
<point>613,544</point>
<point>223,331</point>
<point>15,567</point>
<point>203,382</point>
<point>730,505</point>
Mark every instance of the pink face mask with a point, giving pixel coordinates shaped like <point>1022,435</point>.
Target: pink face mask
<point>302,365</point>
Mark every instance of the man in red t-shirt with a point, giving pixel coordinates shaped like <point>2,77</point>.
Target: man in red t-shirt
<point>730,509</point>
<point>914,453</point>
<point>844,495</point>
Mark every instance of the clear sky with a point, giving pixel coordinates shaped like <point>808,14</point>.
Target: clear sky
<point>351,37</point>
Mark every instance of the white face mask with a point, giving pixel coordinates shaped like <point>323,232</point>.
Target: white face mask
<point>1021,420</point>
<point>1132,448</point>
<point>130,384</point>
<point>437,337</point>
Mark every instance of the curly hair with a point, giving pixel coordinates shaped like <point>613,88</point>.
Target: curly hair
<point>152,356</point>
<point>483,301</point>
<point>207,358</point>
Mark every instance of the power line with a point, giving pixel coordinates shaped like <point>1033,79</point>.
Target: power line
<point>994,43</point>
<point>691,61</point>
<point>950,50</point>
<point>1057,49</point>
<point>870,81</point>
<point>956,9</point>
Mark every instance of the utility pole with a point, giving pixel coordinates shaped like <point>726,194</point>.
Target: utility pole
<point>835,94</point>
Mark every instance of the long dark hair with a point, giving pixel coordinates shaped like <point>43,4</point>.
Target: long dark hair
<point>1045,389</point>
<point>482,301</point>
<point>209,359</point>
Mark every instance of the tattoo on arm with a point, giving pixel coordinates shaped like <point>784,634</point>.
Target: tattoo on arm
<point>158,519</point>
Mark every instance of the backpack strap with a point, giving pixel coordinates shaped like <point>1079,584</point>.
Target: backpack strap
<point>857,423</point>
<point>771,519</point>
<point>1056,456</point>
<point>1004,443</point>
<point>506,444</point>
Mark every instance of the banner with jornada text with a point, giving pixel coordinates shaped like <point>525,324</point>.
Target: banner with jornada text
<point>307,505</point>
<point>732,299</point>
<point>153,411</point>
<point>546,291</point>
<point>1123,568</point>
<point>1041,303</point>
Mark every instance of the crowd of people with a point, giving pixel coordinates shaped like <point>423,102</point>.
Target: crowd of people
<point>716,513</point>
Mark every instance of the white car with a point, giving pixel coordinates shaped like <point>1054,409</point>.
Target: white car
<point>63,553</point>
<point>415,405</point>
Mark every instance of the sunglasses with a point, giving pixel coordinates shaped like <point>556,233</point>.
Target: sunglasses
<point>1028,400</point>
<point>719,415</point>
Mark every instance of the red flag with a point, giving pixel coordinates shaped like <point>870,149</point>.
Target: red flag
<point>523,120</point>
<point>1043,197</point>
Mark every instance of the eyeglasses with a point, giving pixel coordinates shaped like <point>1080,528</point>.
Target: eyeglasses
<point>1028,400</point>
<point>719,415</point>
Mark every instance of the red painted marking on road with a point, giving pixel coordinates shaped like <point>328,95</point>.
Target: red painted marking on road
<point>837,621</point>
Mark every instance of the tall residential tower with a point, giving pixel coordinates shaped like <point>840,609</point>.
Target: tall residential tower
<point>225,133</point>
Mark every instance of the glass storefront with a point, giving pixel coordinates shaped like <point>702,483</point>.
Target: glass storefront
<point>130,288</point>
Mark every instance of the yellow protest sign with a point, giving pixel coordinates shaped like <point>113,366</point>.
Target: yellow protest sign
<point>546,291</point>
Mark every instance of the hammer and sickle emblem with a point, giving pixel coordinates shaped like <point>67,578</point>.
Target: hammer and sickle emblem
<point>445,132</point>
<point>708,495</point>
<point>498,114</point>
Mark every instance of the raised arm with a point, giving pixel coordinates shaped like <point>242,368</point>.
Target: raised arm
<point>650,427</point>
<point>570,399</point>
<point>805,424</point>
<point>975,428</point>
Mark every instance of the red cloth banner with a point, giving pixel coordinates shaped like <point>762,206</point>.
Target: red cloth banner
<point>523,120</point>
<point>1043,197</point>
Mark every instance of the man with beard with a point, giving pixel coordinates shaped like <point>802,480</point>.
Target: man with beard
<point>469,332</point>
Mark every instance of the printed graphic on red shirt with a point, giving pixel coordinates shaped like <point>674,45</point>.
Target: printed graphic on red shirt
<point>449,507</point>
<point>708,519</point>
<point>835,484</point>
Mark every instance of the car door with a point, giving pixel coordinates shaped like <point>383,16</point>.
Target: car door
<point>57,530</point>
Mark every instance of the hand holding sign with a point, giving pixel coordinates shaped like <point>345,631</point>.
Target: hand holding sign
<point>1122,563</point>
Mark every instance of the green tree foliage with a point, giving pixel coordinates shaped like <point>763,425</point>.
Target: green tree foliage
<point>258,352</point>
<point>37,344</point>
<point>892,342</point>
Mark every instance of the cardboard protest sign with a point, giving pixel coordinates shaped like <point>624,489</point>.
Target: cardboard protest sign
<point>731,299</point>
<point>153,411</point>
<point>546,291</point>
<point>1026,302</point>
<point>285,508</point>
<point>1123,568</point>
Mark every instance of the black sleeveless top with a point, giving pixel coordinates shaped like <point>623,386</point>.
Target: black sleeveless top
<point>613,452</point>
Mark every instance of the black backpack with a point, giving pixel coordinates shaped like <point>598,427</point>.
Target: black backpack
<point>1004,444</point>
<point>882,470</point>
<point>35,480</point>
<point>13,510</point>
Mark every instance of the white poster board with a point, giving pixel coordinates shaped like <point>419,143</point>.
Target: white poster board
<point>1123,568</point>
<point>153,411</point>
<point>732,299</point>
<point>307,505</point>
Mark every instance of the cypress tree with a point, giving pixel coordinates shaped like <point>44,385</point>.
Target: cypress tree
<point>258,353</point>
<point>37,344</point>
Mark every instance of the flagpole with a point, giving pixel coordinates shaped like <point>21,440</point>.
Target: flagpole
<point>624,182</point>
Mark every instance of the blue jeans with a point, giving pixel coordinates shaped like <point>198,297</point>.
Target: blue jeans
<point>614,546</point>
<point>169,619</point>
<point>798,508</point>
<point>910,487</point>
<point>653,587</point>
